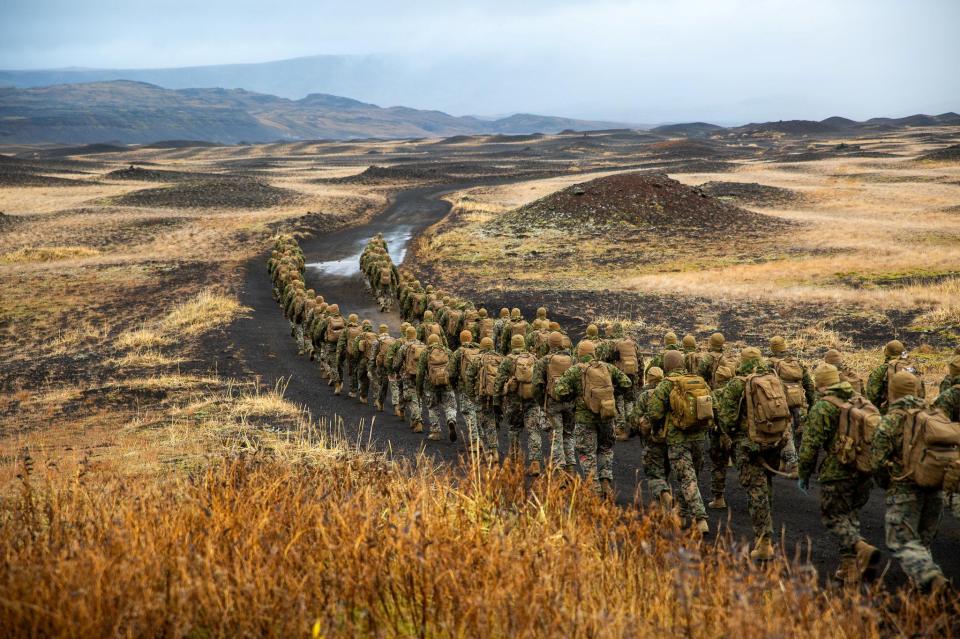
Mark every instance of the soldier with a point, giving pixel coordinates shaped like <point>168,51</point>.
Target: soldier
<point>949,402</point>
<point>330,330</point>
<point>433,385</point>
<point>405,364</point>
<point>555,328</point>
<point>592,335</point>
<point>538,337</point>
<point>953,375</point>
<point>463,358</point>
<point>542,315</point>
<point>894,360</point>
<point>834,358</point>
<point>376,367</point>
<point>348,356</point>
<point>800,394</point>
<point>314,311</point>
<point>516,326</point>
<point>656,464</point>
<point>515,394</point>
<point>844,489</point>
<point>502,320</point>
<point>717,367</point>
<point>558,413</point>
<point>622,352</point>
<point>669,344</point>
<point>593,384</point>
<point>394,378</point>
<point>364,345</point>
<point>482,376</point>
<point>913,513</point>
<point>685,432</point>
<point>430,327</point>
<point>482,326</point>
<point>753,457</point>
<point>692,356</point>
<point>386,279</point>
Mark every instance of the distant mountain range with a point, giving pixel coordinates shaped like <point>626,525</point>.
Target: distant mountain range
<point>136,112</point>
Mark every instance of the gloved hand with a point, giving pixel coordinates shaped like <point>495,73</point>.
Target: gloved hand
<point>803,485</point>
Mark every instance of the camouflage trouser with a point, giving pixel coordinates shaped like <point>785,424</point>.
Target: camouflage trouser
<point>293,328</point>
<point>595,450</point>
<point>625,404</point>
<point>912,518</point>
<point>758,484</point>
<point>558,417</point>
<point>410,402</point>
<point>840,504</point>
<point>328,361</point>
<point>520,415</point>
<point>354,370</point>
<point>469,411</point>
<point>384,299</point>
<point>954,501</point>
<point>363,375</point>
<point>394,383</point>
<point>719,460</point>
<point>298,335</point>
<point>656,468</point>
<point>686,460</point>
<point>788,454</point>
<point>487,425</point>
<point>441,406</point>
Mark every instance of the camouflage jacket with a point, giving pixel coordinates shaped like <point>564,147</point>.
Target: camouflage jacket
<point>877,385</point>
<point>707,365</point>
<point>948,381</point>
<point>642,404</point>
<point>459,378</point>
<point>401,355</point>
<point>506,334</point>
<point>570,385</point>
<point>886,450</point>
<point>423,380</point>
<point>422,333</point>
<point>540,371</point>
<point>658,359</point>
<point>661,416</point>
<point>389,360</point>
<point>730,410</point>
<point>320,334</point>
<point>949,400</point>
<point>343,347</point>
<point>607,351</point>
<point>473,375</point>
<point>820,433</point>
<point>498,325</point>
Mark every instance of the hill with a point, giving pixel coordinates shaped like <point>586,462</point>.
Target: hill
<point>839,125</point>
<point>137,112</point>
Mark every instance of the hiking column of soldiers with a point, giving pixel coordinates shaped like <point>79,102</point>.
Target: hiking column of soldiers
<point>764,413</point>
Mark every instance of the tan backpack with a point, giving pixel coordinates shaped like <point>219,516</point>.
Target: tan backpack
<point>453,322</point>
<point>768,413</point>
<point>518,328</point>
<point>931,447</point>
<point>557,365</point>
<point>904,364</point>
<point>386,276</point>
<point>334,328</point>
<point>437,361</point>
<point>790,371</point>
<point>723,368</point>
<point>598,390</point>
<point>522,381</point>
<point>467,357</point>
<point>859,420</point>
<point>692,362</point>
<point>627,359</point>
<point>414,350</point>
<point>853,379</point>
<point>385,343</point>
<point>431,328</point>
<point>486,380</point>
<point>367,340</point>
<point>353,332</point>
<point>485,328</point>
<point>691,403</point>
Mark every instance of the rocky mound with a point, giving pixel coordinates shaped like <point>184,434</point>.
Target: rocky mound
<point>946,154</point>
<point>138,174</point>
<point>242,193</point>
<point>19,172</point>
<point>751,193</point>
<point>645,202</point>
<point>686,148</point>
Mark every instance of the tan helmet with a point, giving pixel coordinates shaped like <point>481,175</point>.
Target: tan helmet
<point>319,299</point>
<point>504,313</point>
<point>333,308</point>
<point>403,327</point>
<point>894,348</point>
<point>482,313</point>
<point>689,341</point>
<point>427,316</point>
<point>654,375</point>
<point>465,337</point>
<point>554,326</point>
<point>833,357</point>
<point>609,329</point>
<point>555,340</point>
<point>429,288</point>
<point>486,344</point>
<point>778,345</point>
<point>717,340</point>
<point>953,366</point>
<point>367,324</point>
<point>592,331</point>
<point>903,384</point>
<point>672,360</point>
<point>433,339</point>
<point>670,339</point>
<point>384,329</point>
<point>517,342</point>
<point>411,332</point>
<point>541,313</point>
<point>311,292</point>
<point>586,347</point>
<point>352,318</point>
<point>324,307</point>
<point>515,314</point>
<point>750,354</point>
<point>826,375</point>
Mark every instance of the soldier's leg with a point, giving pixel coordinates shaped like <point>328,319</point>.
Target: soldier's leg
<point>448,407</point>
<point>553,417</point>
<point>931,516</point>
<point>656,469</point>
<point>904,533</point>
<point>432,399</point>
<point>788,455</point>
<point>487,420</point>
<point>684,461</point>
<point>569,436</point>
<point>298,335</point>
<point>513,418</point>
<point>474,433</point>
<point>605,441</point>
<point>411,400</point>
<point>324,362</point>
<point>354,375</point>
<point>532,422</point>
<point>587,453</point>
<point>620,421</point>
<point>394,383</point>
<point>756,484</point>
<point>840,504</point>
<point>719,458</point>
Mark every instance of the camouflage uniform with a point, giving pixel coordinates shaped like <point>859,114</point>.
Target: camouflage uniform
<point>363,345</point>
<point>348,357</point>
<point>441,402</point>
<point>507,332</point>
<point>558,414</point>
<point>789,454</point>
<point>466,392</point>
<point>843,490</point>
<point>410,405</point>
<point>607,352</point>
<point>328,350</point>
<point>949,402</point>
<point>488,409</point>
<point>594,435</point>
<point>684,447</point>
<point>520,414</point>
<point>656,462</point>
<point>498,326</point>
<point>379,380</point>
<point>877,382</point>
<point>913,513</point>
<point>394,379</point>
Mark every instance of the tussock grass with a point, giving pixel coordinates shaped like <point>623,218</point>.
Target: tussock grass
<point>141,338</point>
<point>47,254</point>
<point>147,359</point>
<point>207,310</point>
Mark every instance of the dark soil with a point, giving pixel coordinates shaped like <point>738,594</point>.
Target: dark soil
<point>179,144</point>
<point>239,193</point>
<point>19,172</point>
<point>414,169</point>
<point>135,173</point>
<point>751,193</point>
<point>946,154</point>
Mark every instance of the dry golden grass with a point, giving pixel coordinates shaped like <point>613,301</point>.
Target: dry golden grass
<point>205,311</point>
<point>47,254</point>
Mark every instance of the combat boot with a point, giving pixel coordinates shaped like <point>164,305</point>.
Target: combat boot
<point>418,426</point>
<point>397,412</point>
<point>620,434</point>
<point>718,503</point>
<point>666,500</point>
<point>378,405</point>
<point>351,395</point>
<point>762,550</point>
<point>606,489</point>
<point>434,437</point>
<point>703,526</point>
<point>534,469</point>
<point>493,456</point>
<point>330,381</point>
<point>867,560</point>
<point>452,427</point>
<point>362,398</point>
<point>848,573</point>
<point>337,388</point>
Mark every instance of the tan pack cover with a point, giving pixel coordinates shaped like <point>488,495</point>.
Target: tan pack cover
<point>557,365</point>
<point>522,381</point>
<point>859,420</point>
<point>467,357</point>
<point>597,386</point>
<point>485,328</point>
<point>692,362</point>
<point>353,332</point>
<point>853,379</point>
<point>627,359</point>
<point>931,446</point>
<point>367,340</point>
<point>453,322</point>
<point>437,362</point>
<point>334,329</point>
<point>414,350</point>
<point>489,365</point>
<point>431,328</point>
<point>790,371</point>
<point>385,343</point>
<point>904,364</point>
<point>518,328</point>
<point>723,368</point>
<point>768,413</point>
<point>691,403</point>
<point>386,276</point>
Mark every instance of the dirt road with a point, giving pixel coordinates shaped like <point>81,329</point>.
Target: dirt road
<point>332,270</point>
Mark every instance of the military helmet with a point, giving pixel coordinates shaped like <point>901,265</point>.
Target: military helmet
<point>555,339</point>
<point>466,336</point>
<point>333,308</point>
<point>586,347</point>
<point>433,339</point>
<point>554,326</point>
<point>826,375</point>
<point>403,327</point>
<point>542,313</point>
<point>750,354</point>
<point>778,345</point>
<point>670,339</point>
<point>592,331</point>
<point>311,292</point>
<point>903,384</point>
<point>367,324</point>
<point>384,329</point>
<point>353,319</point>
<point>427,316</point>
<point>482,313</point>
<point>429,288</point>
<point>672,360</point>
<point>609,329</point>
<point>894,348</point>
<point>832,357</point>
<point>320,299</point>
<point>518,342</point>
<point>689,341</point>
<point>515,314</point>
<point>411,332</point>
<point>486,343</point>
<point>654,375</point>
<point>324,307</point>
<point>504,312</point>
<point>717,340</point>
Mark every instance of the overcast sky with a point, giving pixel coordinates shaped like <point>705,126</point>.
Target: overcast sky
<point>636,61</point>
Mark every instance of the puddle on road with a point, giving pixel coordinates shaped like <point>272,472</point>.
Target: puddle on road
<point>397,239</point>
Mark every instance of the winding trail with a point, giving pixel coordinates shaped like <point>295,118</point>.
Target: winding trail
<point>333,271</point>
